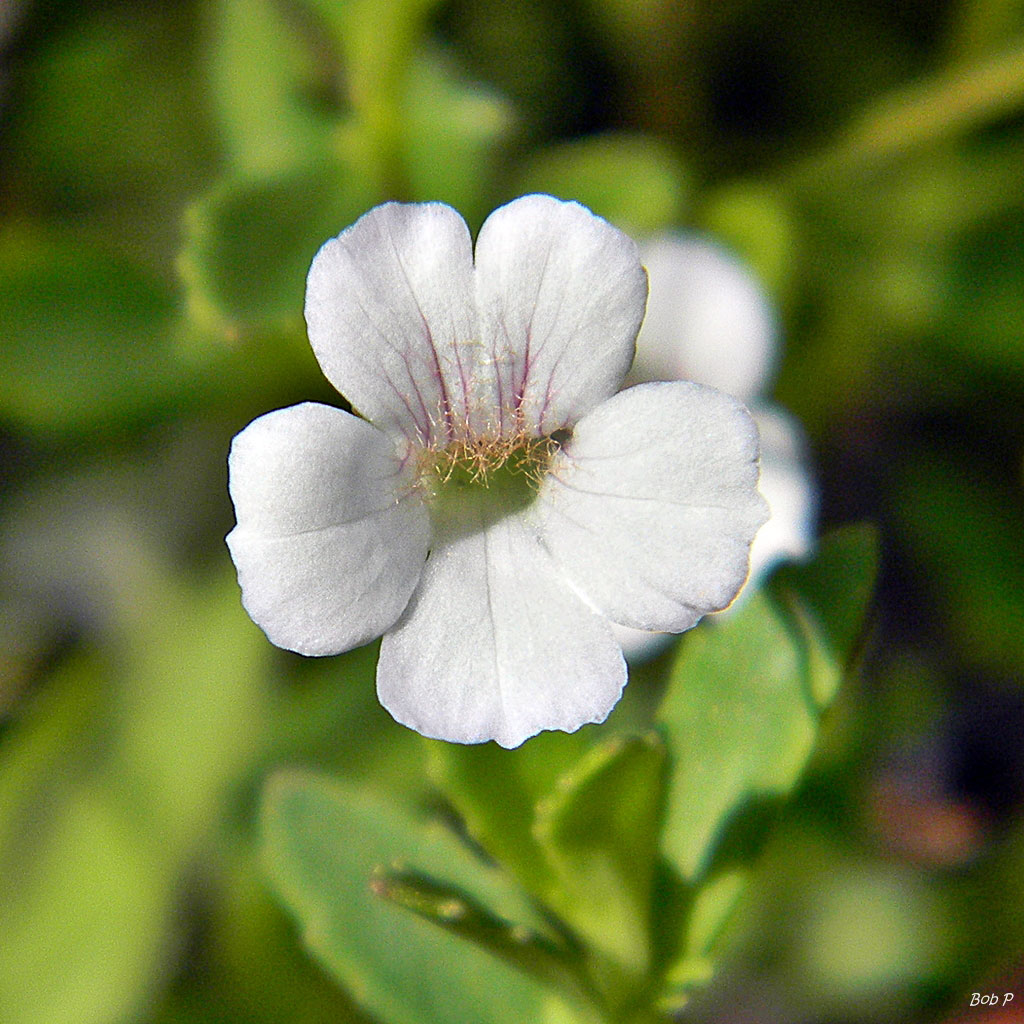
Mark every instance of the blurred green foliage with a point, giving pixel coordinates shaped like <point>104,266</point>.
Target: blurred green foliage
<point>781,813</point>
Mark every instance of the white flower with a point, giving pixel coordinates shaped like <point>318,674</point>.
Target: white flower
<point>709,321</point>
<point>499,505</point>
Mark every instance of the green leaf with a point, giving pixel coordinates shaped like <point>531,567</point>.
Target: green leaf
<point>87,337</point>
<point>110,108</point>
<point>710,912</point>
<point>496,792</point>
<point>975,568</point>
<point>263,75</point>
<point>452,133</point>
<point>754,219</point>
<point>829,597</point>
<point>84,917</point>
<point>741,712</point>
<point>738,722</point>
<point>195,710</point>
<point>986,279</point>
<point>376,40</point>
<point>250,240</point>
<point>599,831</point>
<point>533,953</point>
<point>321,845</point>
<point>741,715</point>
<point>634,181</point>
<point>44,745</point>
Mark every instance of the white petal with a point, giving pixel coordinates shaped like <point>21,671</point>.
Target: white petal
<point>392,320</point>
<point>561,295</point>
<point>640,645</point>
<point>787,487</point>
<point>650,508</point>
<point>707,320</point>
<point>331,536</point>
<point>493,645</point>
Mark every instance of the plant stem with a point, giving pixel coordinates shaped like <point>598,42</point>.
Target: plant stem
<point>942,107</point>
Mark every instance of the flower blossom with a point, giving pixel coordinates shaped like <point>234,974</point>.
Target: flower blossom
<point>709,321</point>
<point>496,503</point>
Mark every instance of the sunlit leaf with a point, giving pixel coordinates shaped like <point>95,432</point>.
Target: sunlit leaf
<point>453,129</point>
<point>739,725</point>
<point>497,791</point>
<point>741,712</point>
<point>262,73</point>
<point>376,40</point>
<point>754,220</point>
<point>321,845</point>
<point>46,743</point>
<point>194,713</point>
<point>452,910</point>
<point>85,917</point>
<point>599,831</point>
<point>709,914</point>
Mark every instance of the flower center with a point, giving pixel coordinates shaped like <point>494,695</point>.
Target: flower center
<point>471,484</point>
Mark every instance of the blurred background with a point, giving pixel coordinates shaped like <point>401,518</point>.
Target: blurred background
<point>167,171</point>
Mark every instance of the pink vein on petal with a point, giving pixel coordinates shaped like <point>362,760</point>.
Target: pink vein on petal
<point>446,402</point>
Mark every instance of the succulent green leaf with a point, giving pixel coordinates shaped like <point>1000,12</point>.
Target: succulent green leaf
<point>738,722</point>
<point>599,831</point>
<point>323,842</point>
<point>745,693</point>
<point>534,953</point>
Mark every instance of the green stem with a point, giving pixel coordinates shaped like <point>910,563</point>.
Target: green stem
<point>978,26</point>
<point>939,108</point>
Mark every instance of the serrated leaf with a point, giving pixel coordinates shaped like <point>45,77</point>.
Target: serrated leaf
<point>599,831</point>
<point>321,844</point>
<point>250,240</point>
